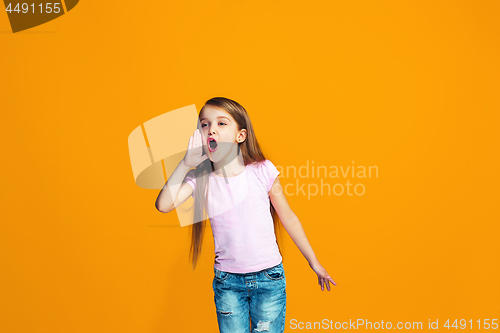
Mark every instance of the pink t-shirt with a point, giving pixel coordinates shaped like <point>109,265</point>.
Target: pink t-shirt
<point>239,212</point>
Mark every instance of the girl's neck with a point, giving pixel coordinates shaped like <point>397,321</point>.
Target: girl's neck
<point>233,165</point>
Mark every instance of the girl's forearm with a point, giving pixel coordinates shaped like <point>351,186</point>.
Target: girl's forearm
<point>166,199</point>
<point>296,231</point>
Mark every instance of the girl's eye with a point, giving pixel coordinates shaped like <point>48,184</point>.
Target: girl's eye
<point>205,125</point>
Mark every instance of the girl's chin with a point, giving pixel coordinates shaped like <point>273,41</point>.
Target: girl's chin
<point>223,151</point>
<point>214,157</point>
<point>218,155</point>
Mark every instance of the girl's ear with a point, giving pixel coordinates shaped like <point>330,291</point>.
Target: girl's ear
<point>241,136</point>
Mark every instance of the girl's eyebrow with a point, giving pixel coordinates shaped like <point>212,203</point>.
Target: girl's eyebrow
<point>217,117</point>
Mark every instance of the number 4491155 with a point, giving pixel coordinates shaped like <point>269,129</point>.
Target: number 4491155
<point>30,8</point>
<point>462,324</point>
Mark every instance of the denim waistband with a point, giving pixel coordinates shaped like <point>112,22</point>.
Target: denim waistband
<point>251,273</point>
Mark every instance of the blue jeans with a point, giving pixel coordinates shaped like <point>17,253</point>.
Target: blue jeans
<point>258,298</point>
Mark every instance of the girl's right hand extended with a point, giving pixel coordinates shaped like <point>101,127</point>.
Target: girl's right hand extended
<point>323,276</point>
<point>194,154</point>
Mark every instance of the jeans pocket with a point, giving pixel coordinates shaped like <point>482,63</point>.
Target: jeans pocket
<point>220,275</point>
<point>275,273</point>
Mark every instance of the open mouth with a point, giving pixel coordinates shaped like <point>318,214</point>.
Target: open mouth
<point>212,145</point>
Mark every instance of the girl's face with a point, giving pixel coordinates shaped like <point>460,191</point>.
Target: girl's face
<point>220,134</point>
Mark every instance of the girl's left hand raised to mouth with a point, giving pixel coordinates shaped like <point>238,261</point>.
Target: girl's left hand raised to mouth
<point>323,277</point>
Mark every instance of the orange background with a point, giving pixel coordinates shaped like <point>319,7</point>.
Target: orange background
<point>409,87</point>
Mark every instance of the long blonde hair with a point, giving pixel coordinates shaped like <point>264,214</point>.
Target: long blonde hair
<point>251,153</point>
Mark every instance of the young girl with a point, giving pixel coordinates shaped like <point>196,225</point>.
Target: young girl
<point>240,191</point>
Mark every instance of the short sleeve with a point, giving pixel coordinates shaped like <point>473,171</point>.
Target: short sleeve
<point>270,173</point>
<point>191,179</point>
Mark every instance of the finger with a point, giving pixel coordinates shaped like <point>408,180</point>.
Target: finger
<point>194,140</point>
<point>330,278</point>
<point>199,139</point>
<point>322,287</point>
<point>327,282</point>
<point>190,144</point>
